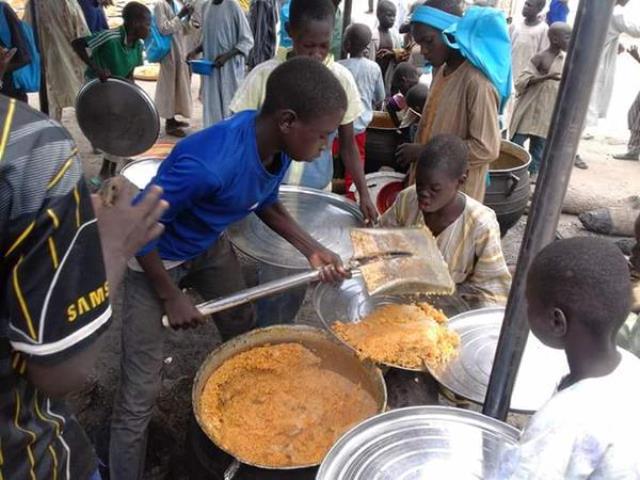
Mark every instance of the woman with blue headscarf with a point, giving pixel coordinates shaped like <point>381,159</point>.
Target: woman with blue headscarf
<point>473,80</point>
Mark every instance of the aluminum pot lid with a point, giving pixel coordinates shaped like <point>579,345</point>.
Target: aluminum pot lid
<point>420,443</point>
<point>117,117</point>
<point>467,374</point>
<point>327,217</point>
<point>140,172</point>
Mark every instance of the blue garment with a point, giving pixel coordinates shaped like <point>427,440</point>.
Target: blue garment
<point>558,12</point>
<point>317,173</point>
<point>433,17</point>
<point>211,180</point>
<point>285,39</point>
<point>94,15</point>
<point>536,149</point>
<point>482,36</point>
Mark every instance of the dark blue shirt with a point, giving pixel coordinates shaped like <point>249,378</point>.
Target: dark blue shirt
<point>558,12</point>
<point>94,15</point>
<point>211,180</point>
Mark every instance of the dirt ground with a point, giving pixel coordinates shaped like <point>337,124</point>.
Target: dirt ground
<point>605,182</point>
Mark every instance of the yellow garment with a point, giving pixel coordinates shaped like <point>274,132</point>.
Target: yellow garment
<point>464,103</point>
<point>245,5</point>
<point>470,246</point>
<point>250,95</point>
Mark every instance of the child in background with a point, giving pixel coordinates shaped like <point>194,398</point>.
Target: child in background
<point>386,41</point>
<point>537,89</point>
<point>527,37</point>
<point>368,78</point>
<point>466,231</point>
<point>417,97</point>
<point>578,298</point>
<point>405,76</point>
<point>633,118</point>
<point>115,52</point>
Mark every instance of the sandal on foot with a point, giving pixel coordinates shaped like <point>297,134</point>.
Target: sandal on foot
<point>175,132</point>
<point>628,156</point>
<point>579,163</point>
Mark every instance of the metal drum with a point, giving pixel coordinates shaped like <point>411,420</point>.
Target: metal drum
<point>349,302</point>
<point>117,116</point>
<point>420,443</point>
<point>327,217</point>
<point>333,354</point>
<point>509,189</point>
<point>467,375</point>
<point>140,172</point>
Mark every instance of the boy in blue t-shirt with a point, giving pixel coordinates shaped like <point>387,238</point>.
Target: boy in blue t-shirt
<point>210,180</point>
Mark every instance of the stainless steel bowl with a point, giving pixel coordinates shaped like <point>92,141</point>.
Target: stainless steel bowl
<point>333,354</point>
<point>420,443</point>
<point>349,302</point>
<point>117,117</point>
<point>140,172</point>
<point>327,217</point>
<point>467,374</point>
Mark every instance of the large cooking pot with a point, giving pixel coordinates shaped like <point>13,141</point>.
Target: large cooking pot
<point>383,139</point>
<point>509,190</point>
<point>335,357</point>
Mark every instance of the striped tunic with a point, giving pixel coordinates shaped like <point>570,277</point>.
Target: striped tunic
<point>54,296</point>
<point>470,246</point>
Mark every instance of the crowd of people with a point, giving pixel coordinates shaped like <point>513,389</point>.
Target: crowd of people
<point>280,107</point>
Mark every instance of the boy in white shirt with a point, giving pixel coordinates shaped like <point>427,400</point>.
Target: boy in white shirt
<point>578,298</point>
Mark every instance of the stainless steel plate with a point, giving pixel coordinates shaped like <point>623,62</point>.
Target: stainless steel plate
<point>140,172</point>
<point>467,375</point>
<point>349,302</point>
<point>420,443</point>
<point>117,116</point>
<point>327,217</point>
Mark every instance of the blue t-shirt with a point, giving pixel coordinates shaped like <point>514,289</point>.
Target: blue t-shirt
<point>211,180</point>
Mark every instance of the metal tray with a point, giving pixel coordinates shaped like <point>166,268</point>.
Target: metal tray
<point>420,443</point>
<point>467,375</point>
<point>327,217</point>
<point>140,172</point>
<point>117,116</point>
<point>349,302</point>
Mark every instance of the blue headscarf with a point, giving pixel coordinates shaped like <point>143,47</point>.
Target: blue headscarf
<point>481,36</point>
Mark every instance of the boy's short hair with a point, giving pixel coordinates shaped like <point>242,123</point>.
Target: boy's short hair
<point>301,11</point>
<point>134,11</point>
<point>305,86</point>
<point>444,152</point>
<point>406,69</point>
<point>450,6</point>
<point>359,37</point>
<point>386,3</point>
<point>417,97</point>
<point>587,278</point>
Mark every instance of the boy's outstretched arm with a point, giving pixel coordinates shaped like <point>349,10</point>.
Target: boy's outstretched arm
<point>351,159</point>
<point>80,46</point>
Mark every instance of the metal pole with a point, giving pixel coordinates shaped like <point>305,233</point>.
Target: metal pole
<point>346,20</point>
<point>44,100</point>
<point>569,114</point>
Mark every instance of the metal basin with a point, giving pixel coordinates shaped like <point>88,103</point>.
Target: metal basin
<point>334,357</point>
<point>327,217</point>
<point>349,302</point>
<point>140,172</point>
<point>117,116</point>
<point>420,443</point>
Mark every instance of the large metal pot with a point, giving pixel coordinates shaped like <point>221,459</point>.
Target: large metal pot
<point>335,356</point>
<point>509,190</point>
<point>383,138</point>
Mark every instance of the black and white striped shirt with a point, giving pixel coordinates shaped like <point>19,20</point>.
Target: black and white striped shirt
<point>53,291</point>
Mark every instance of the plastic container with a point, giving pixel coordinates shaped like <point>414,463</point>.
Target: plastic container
<point>202,67</point>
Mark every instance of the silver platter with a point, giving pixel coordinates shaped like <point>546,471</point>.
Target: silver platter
<point>420,443</point>
<point>467,375</point>
<point>327,217</point>
<point>349,302</point>
<point>117,117</point>
<point>140,172</point>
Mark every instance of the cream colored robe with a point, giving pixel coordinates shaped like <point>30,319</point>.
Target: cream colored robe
<point>465,104</point>
<point>59,23</point>
<point>173,91</point>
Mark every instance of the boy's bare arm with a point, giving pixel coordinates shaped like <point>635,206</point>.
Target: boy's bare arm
<point>80,46</point>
